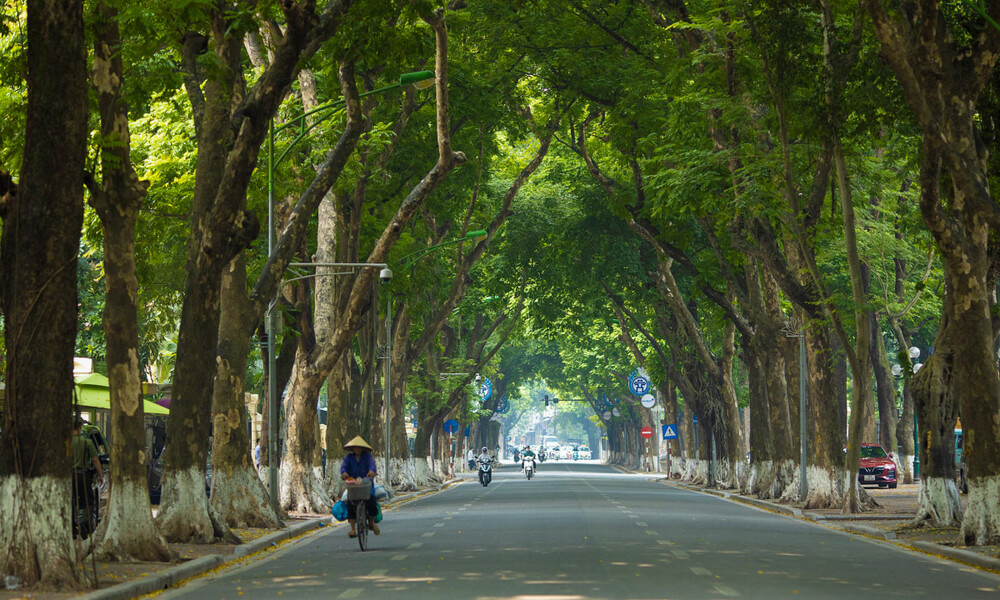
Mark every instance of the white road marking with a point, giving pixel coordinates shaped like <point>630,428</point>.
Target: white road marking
<point>640,523</point>
<point>399,557</point>
<point>701,571</point>
<point>429,534</point>
<point>727,591</point>
<point>414,545</point>
<point>680,554</point>
<point>351,593</point>
<point>652,533</point>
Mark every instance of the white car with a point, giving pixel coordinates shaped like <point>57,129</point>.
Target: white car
<point>583,453</point>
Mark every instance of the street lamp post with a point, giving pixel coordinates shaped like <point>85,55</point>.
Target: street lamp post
<point>897,370</point>
<point>419,79</point>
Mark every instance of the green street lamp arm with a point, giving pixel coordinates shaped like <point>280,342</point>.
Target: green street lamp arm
<point>472,235</point>
<point>416,78</point>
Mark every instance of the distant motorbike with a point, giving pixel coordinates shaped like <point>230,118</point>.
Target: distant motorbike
<point>485,472</point>
<point>529,467</point>
<point>517,456</point>
<point>541,456</point>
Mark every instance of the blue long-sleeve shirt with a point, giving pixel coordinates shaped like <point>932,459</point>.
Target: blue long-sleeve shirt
<point>358,467</point>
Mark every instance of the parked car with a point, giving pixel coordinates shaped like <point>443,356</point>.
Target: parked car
<point>584,453</point>
<point>877,467</point>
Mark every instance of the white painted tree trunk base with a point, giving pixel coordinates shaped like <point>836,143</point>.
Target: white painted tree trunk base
<point>36,546</point>
<point>981,525</point>
<point>938,503</point>
<point>695,471</point>
<point>301,489</point>
<point>241,500</point>
<point>904,463</point>
<point>825,487</point>
<point>127,533</point>
<point>184,511</point>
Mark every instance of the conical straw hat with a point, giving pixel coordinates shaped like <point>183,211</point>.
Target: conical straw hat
<point>359,442</point>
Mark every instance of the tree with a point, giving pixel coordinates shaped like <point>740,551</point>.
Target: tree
<point>231,125</point>
<point>942,66</point>
<point>127,531</point>
<point>39,246</point>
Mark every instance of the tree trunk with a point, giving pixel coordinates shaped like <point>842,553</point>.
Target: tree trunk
<point>825,468</point>
<point>38,255</point>
<point>127,532</point>
<point>937,410</point>
<point>238,494</point>
<point>885,388</point>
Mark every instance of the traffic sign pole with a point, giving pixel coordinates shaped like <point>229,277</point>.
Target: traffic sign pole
<point>647,455</point>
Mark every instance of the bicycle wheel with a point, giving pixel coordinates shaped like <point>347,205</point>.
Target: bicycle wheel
<point>362,526</point>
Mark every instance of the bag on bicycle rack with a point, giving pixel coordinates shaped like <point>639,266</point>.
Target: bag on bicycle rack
<point>378,515</point>
<point>339,510</point>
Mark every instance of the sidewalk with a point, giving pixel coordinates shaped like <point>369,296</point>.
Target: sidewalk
<point>121,581</point>
<point>891,521</point>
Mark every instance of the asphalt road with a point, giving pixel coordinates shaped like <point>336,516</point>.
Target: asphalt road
<point>585,531</point>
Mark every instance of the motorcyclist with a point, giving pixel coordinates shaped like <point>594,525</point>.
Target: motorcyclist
<point>484,458</point>
<point>526,455</point>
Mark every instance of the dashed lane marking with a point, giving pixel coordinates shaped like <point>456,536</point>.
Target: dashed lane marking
<point>351,593</point>
<point>399,557</point>
<point>414,545</point>
<point>701,571</point>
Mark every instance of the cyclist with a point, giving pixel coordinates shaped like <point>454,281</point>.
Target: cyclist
<point>358,464</point>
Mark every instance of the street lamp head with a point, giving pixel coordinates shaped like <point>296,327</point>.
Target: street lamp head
<point>385,275</point>
<point>917,366</point>
<point>914,352</point>
<point>897,370</point>
<point>419,79</point>
<point>476,235</point>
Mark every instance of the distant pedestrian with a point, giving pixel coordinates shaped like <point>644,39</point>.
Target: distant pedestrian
<point>470,458</point>
<point>256,455</point>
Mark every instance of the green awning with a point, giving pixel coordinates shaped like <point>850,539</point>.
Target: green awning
<point>93,391</point>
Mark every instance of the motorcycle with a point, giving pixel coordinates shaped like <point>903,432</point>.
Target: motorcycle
<point>541,456</point>
<point>528,464</point>
<point>485,473</point>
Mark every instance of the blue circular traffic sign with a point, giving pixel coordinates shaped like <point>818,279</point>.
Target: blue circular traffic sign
<point>638,385</point>
<point>450,426</point>
<point>486,388</point>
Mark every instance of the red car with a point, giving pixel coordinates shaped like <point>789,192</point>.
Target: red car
<point>877,467</point>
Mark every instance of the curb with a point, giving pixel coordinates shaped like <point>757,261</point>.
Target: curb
<point>956,554</point>
<point>159,581</point>
<point>966,556</point>
<point>173,575</point>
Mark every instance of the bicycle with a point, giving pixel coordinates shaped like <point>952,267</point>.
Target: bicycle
<point>358,494</point>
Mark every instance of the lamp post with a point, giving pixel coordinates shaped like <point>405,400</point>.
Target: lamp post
<point>419,79</point>
<point>792,330</point>
<point>386,275</point>
<point>914,353</point>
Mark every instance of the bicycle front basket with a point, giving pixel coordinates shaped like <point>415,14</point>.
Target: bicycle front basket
<point>359,491</point>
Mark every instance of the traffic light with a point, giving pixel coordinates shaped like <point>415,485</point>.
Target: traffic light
<point>546,401</point>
